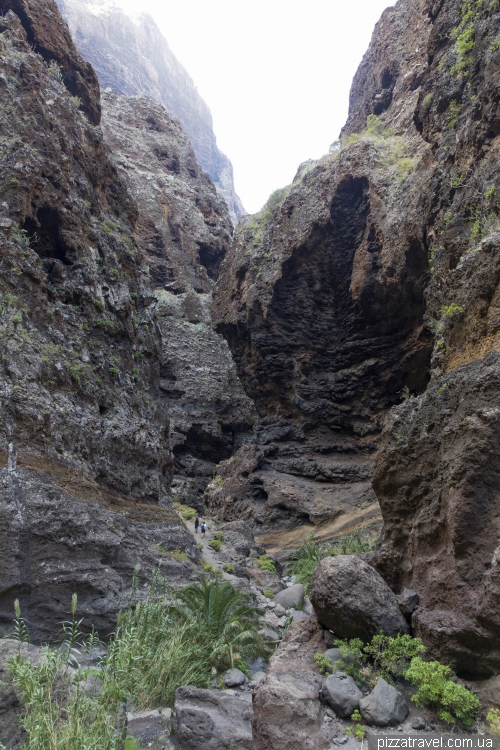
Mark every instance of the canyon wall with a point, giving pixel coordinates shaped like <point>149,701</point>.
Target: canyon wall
<point>132,57</point>
<point>372,280</point>
<point>111,379</point>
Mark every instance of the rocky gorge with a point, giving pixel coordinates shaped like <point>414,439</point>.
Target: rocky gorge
<point>331,365</point>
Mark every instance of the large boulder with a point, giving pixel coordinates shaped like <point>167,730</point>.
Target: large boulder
<point>342,694</point>
<point>288,713</point>
<point>293,596</point>
<point>384,706</point>
<point>352,599</point>
<point>211,720</point>
<point>234,678</point>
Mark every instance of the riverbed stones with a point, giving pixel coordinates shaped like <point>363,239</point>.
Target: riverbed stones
<point>291,597</point>
<point>384,706</point>
<point>342,694</point>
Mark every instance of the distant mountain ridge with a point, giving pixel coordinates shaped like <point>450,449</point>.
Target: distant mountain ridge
<point>131,56</point>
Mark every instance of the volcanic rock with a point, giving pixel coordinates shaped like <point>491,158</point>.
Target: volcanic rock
<point>384,706</point>
<point>342,694</point>
<point>211,719</point>
<point>350,598</point>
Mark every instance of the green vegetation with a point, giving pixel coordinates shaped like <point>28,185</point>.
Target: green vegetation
<point>225,618</point>
<point>393,658</point>
<point>178,555</point>
<point>309,555</point>
<point>228,567</point>
<point>490,192</point>
<point>185,511</point>
<point>76,101</point>
<point>14,182</point>
<point>464,34</point>
<point>207,567</point>
<point>215,544</point>
<point>493,716</point>
<point>391,655</point>
<point>436,690</point>
<point>324,665</point>
<point>268,593</point>
<point>452,114</point>
<point>208,627</point>
<point>219,535</point>
<point>427,102</point>
<point>265,563</point>
<point>358,730</point>
<point>99,304</point>
<point>55,70</point>
<point>449,311</point>
<point>352,659</point>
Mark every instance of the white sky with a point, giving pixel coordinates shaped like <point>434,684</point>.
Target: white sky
<point>276,75</point>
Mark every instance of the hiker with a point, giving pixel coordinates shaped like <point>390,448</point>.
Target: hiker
<point>196,524</point>
<point>203,528</point>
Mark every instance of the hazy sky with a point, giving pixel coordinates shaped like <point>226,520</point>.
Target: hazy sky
<point>276,75</point>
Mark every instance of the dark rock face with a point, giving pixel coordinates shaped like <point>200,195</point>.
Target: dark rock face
<point>84,430</point>
<point>55,544</point>
<point>350,598</point>
<point>49,36</point>
<point>321,299</point>
<point>288,714</point>
<point>211,719</point>
<point>184,232</point>
<point>133,58</point>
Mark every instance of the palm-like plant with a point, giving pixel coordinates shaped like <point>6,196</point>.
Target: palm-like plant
<point>222,618</point>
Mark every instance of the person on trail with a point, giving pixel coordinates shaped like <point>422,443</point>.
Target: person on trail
<point>203,528</point>
<point>196,524</point>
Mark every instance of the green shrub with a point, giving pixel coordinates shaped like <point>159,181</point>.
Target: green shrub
<point>215,544</point>
<point>265,563</point>
<point>324,665</point>
<point>268,593</point>
<point>99,304</point>
<point>223,619</point>
<point>391,655</point>
<point>493,716</point>
<point>448,311</point>
<point>229,568</point>
<point>178,555</point>
<point>435,689</point>
<point>186,512</point>
<point>208,567</point>
<point>352,659</point>
<point>200,545</point>
<point>219,535</point>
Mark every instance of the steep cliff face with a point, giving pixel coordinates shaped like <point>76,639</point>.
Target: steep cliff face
<point>131,57</point>
<point>89,347</point>
<point>184,231</point>
<point>322,302</point>
<point>375,276</point>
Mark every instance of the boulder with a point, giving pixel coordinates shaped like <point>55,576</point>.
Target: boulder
<point>291,597</point>
<point>352,599</point>
<point>408,601</point>
<point>234,678</point>
<point>384,706</point>
<point>342,694</point>
<point>150,728</point>
<point>211,719</point>
<point>257,678</point>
